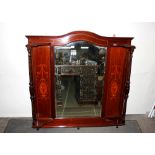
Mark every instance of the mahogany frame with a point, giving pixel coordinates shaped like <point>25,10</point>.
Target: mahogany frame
<point>116,80</point>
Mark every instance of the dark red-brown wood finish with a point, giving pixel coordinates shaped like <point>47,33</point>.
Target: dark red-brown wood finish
<point>116,79</point>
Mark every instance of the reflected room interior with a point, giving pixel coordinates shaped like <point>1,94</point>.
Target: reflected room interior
<point>79,79</point>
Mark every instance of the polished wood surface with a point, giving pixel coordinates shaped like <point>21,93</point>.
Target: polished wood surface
<point>116,79</point>
<point>116,83</point>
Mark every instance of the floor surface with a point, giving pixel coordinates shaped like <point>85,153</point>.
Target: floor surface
<point>147,125</point>
<point>24,126</point>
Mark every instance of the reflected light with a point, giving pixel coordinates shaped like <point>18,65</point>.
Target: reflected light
<point>65,39</point>
<point>84,47</point>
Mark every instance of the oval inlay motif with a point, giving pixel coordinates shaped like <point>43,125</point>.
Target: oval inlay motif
<point>43,88</point>
<point>114,88</point>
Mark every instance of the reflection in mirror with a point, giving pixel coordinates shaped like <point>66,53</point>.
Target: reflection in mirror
<point>79,74</point>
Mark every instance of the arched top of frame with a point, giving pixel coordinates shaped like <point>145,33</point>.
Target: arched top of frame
<point>79,36</point>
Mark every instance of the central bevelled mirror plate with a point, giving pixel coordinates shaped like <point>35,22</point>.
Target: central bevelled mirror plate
<point>79,75</point>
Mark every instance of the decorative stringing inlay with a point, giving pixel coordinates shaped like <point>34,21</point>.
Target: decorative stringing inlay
<point>43,75</point>
<point>43,88</point>
<point>114,88</point>
<point>115,76</point>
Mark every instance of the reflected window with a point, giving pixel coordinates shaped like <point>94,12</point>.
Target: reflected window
<point>79,74</point>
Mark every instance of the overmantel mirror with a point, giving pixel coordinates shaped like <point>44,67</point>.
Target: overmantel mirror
<point>79,79</point>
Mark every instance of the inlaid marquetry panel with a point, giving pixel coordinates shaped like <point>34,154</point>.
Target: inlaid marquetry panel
<point>42,81</point>
<point>117,58</point>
